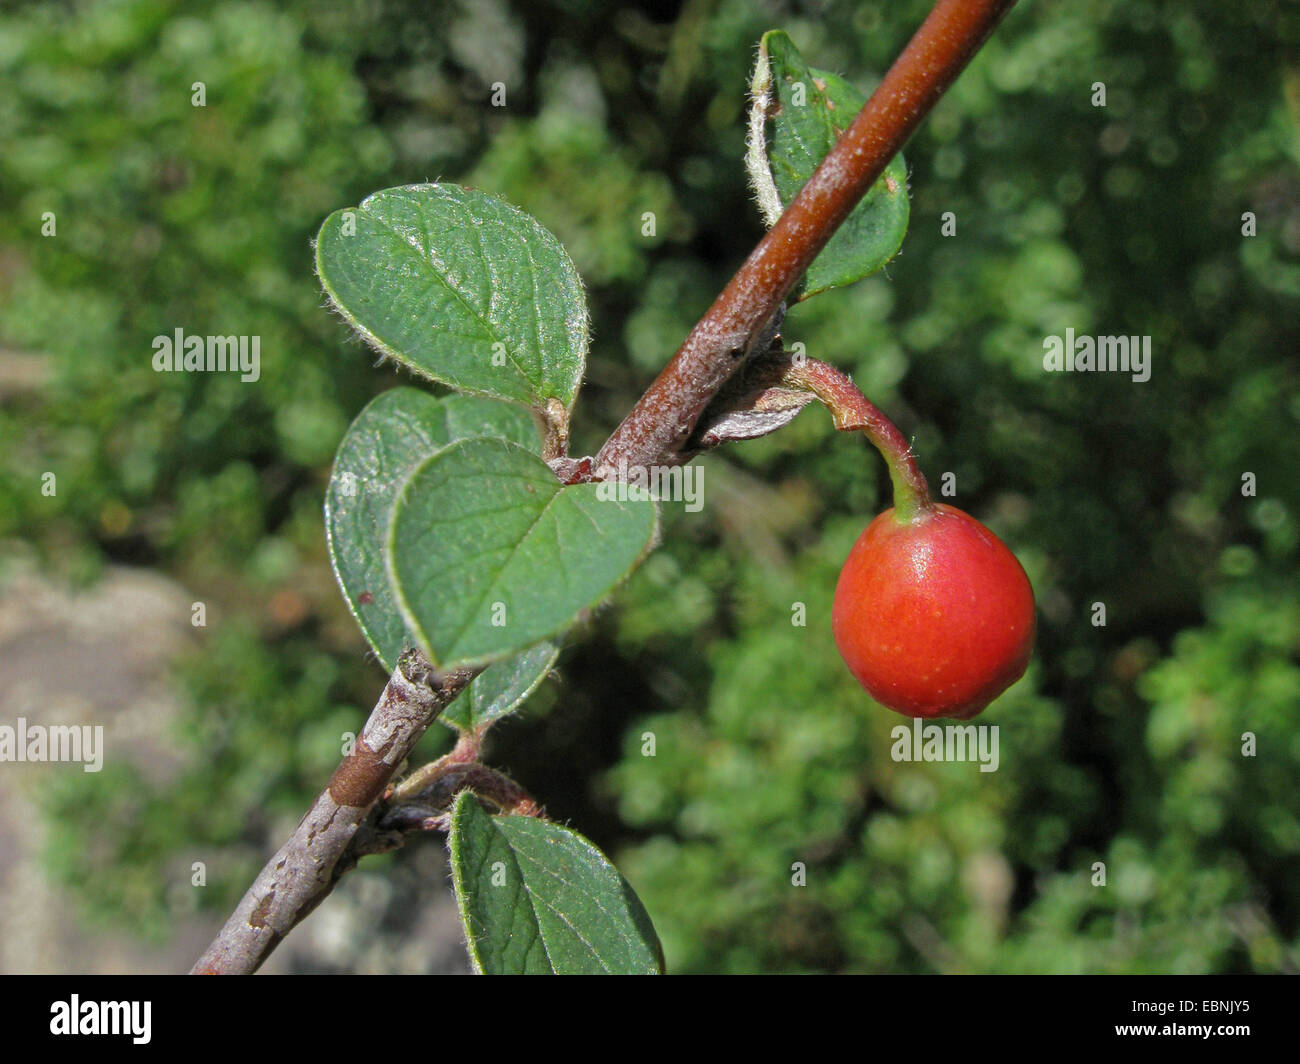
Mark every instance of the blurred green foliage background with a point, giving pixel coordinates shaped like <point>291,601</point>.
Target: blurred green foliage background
<point>1123,743</point>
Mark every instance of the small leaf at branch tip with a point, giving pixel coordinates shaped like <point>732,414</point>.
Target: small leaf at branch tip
<point>801,139</point>
<point>756,156</point>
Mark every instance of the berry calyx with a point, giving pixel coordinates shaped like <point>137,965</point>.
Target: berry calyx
<point>934,616</point>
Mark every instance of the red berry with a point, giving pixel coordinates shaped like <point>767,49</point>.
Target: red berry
<point>935,617</point>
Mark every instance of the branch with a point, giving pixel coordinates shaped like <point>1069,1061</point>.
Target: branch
<point>665,416</point>
<point>423,800</point>
<point>742,320</point>
<point>306,868</point>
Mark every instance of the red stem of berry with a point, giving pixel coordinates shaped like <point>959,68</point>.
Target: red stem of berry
<point>852,411</point>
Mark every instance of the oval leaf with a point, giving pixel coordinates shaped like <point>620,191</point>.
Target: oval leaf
<point>536,898</point>
<point>459,286</point>
<point>488,553</point>
<point>389,438</point>
<point>501,689</point>
<point>812,108</point>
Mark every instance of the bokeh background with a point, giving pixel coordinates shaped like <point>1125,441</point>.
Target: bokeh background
<point>1122,745</point>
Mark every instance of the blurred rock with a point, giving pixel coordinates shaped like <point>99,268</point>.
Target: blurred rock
<point>101,656</point>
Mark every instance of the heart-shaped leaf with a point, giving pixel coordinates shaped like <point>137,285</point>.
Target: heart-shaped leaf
<point>500,689</point>
<point>389,438</point>
<point>808,110</point>
<point>537,898</point>
<point>459,286</point>
<point>489,553</point>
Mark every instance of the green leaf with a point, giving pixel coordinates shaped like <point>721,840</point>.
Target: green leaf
<point>488,553</point>
<point>813,107</point>
<point>461,287</point>
<point>500,689</point>
<point>389,438</point>
<point>537,899</point>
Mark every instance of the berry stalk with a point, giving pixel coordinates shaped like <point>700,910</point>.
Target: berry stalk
<point>851,410</point>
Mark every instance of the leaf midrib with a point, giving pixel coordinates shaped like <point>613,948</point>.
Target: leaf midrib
<point>425,258</point>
